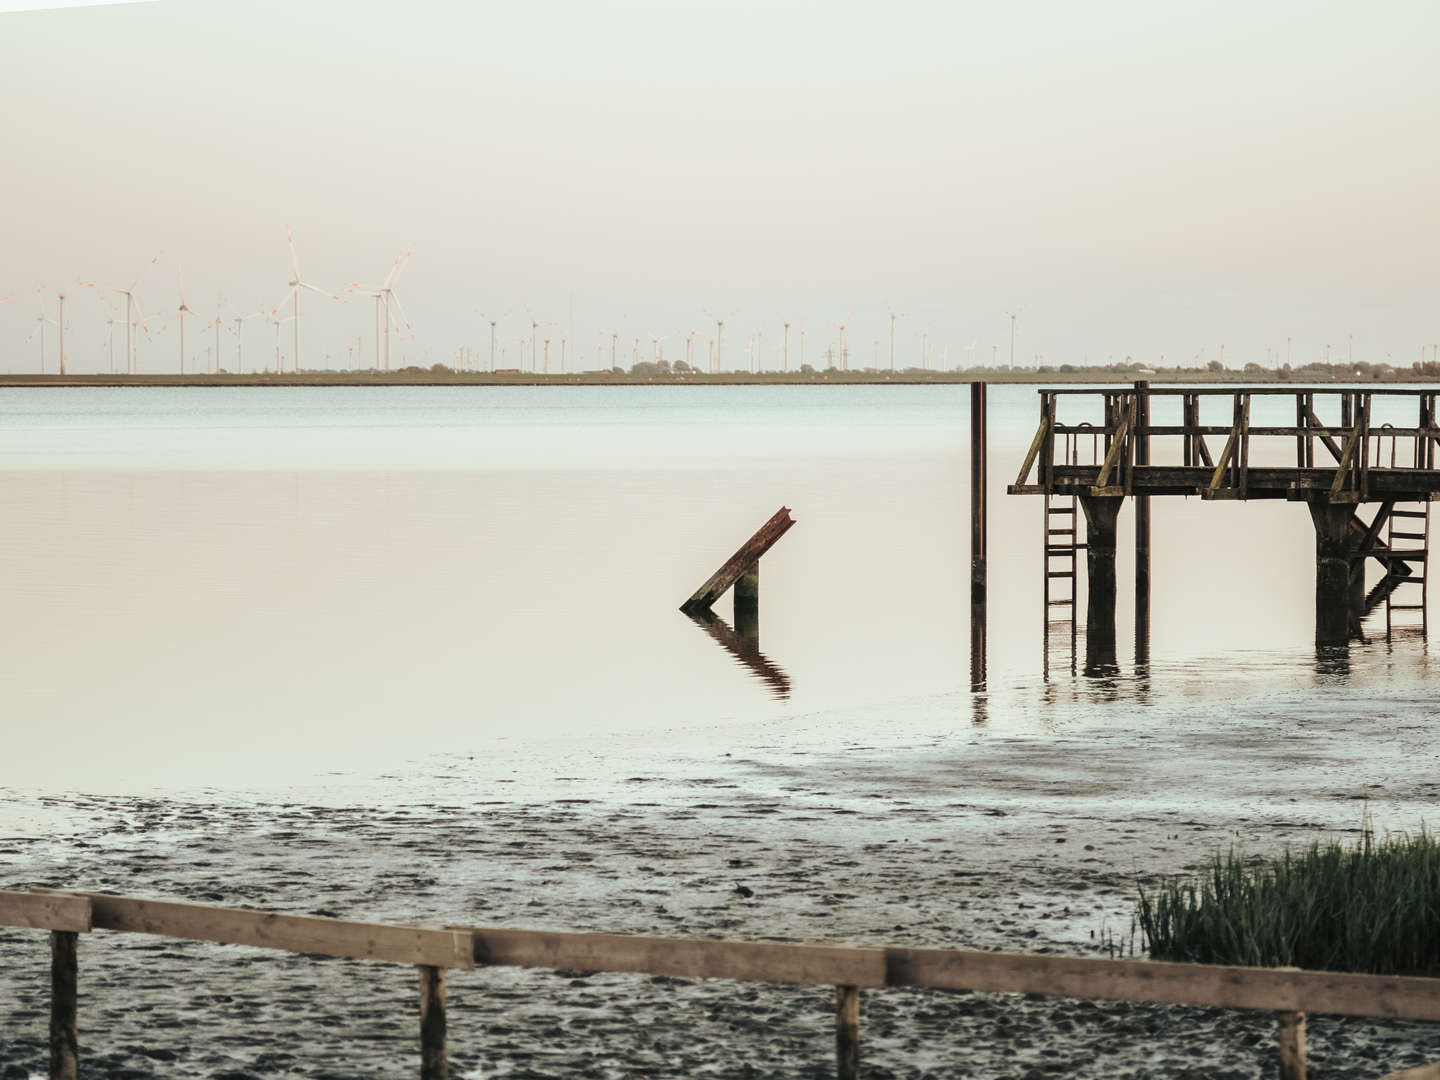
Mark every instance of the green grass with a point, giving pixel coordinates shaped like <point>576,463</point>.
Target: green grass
<point>1373,907</point>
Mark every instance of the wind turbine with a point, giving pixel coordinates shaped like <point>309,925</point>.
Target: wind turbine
<point>180,314</point>
<point>893,316</point>
<point>719,336</point>
<point>131,310</point>
<point>296,284</point>
<point>109,334</point>
<point>239,336</point>
<point>844,343</point>
<point>40,321</point>
<point>492,323</point>
<point>1011,316</point>
<point>60,325</point>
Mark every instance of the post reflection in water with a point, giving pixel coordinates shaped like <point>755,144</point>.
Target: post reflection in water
<point>744,645</point>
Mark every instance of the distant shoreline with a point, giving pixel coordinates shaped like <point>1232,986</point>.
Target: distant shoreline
<point>445,377</point>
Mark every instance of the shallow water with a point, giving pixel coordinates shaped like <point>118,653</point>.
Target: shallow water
<point>250,588</point>
<point>415,655</point>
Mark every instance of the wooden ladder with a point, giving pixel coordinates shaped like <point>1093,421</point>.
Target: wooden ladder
<point>1061,564</point>
<point>1408,537</point>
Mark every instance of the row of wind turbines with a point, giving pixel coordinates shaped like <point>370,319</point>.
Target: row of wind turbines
<point>389,313</point>
<point>837,354</point>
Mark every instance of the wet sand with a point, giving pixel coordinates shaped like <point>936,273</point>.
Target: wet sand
<point>961,839</point>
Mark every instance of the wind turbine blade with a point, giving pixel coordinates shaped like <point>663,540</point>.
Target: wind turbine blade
<point>180,277</point>
<point>401,308</point>
<point>293,290</point>
<point>294,262</point>
<point>399,265</point>
<point>317,289</point>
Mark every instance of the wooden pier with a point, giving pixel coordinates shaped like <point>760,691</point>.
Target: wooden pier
<point>1367,484</point>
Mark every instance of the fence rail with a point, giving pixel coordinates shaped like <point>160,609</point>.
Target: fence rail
<point>1289,992</point>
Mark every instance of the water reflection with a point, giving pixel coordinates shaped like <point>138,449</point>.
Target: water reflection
<point>744,645</point>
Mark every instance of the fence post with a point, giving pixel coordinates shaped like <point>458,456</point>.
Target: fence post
<point>63,1041</point>
<point>434,1064</point>
<point>1291,1034</point>
<point>847,1032</point>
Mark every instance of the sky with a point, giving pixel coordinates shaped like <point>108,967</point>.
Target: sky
<point>1131,179</point>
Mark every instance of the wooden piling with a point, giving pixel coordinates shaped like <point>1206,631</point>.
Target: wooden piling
<point>847,1032</point>
<point>434,1062</point>
<point>747,606</point>
<point>64,1004</point>
<point>1333,551</point>
<point>978,567</point>
<point>1142,527</point>
<point>1291,1035</point>
<point>740,563</point>
<point>1101,514</point>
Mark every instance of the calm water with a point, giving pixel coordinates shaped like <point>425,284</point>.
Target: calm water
<point>257,589</point>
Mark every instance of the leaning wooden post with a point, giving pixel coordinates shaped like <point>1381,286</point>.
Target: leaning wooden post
<point>1291,1034</point>
<point>977,536</point>
<point>740,563</point>
<point>64,1043</point>
<point>847,1032</point>
<point>434,1065</point>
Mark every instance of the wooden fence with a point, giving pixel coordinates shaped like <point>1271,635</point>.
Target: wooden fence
<point>1289,992</point>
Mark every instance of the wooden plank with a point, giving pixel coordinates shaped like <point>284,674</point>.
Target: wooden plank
<point>45,911</point>
<point>1178,984</point>
<point>297,933</point>
<point>1219,473</point>
<point>1117,447</point>
<point>750,551</point>
<point>64,1005</point>
<point>1033,453</point>
<point>847,1032</point>
<point>1420,1072</point>
<point>434,1060</point>
<point>693,958</point>
<point>1290,1034</point>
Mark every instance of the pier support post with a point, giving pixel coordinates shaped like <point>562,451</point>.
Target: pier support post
<point>978,570</point>
<point>1101,514</point>
<point>847,1032</point>
<point>64,1052</point>
<point>434,1059</point>
<point>747,606</point>
<point>1338,604</point>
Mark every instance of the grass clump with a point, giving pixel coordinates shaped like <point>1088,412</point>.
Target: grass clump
<point>1373,908</point>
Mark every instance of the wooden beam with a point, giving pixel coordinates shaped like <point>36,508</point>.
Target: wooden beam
<point>749,553</point>
<point>1179,984</point>
<point>692,958</point>
<point>1420,1072</point>
<point>297,933</point>
<point>1117,448</point>
<point>45,911</point>
<point>1034,451</point>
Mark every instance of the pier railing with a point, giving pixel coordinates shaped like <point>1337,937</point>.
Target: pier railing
<point>1290,993</point>
<point>1359,459</point>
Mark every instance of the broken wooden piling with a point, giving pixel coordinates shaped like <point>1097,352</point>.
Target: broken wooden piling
<point>745,561</point>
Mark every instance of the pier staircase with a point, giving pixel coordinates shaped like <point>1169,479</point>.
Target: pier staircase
<point>1408,538</point>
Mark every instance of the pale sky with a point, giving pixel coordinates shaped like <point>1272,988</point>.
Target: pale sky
<point>1135,178</point>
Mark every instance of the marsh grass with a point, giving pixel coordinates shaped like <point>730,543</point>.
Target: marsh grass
<point>1373,907</point>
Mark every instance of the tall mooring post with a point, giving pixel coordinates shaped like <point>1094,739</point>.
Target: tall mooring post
<point>977,536</point>
<point>1142,526</point>
<point>1101,515</point>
